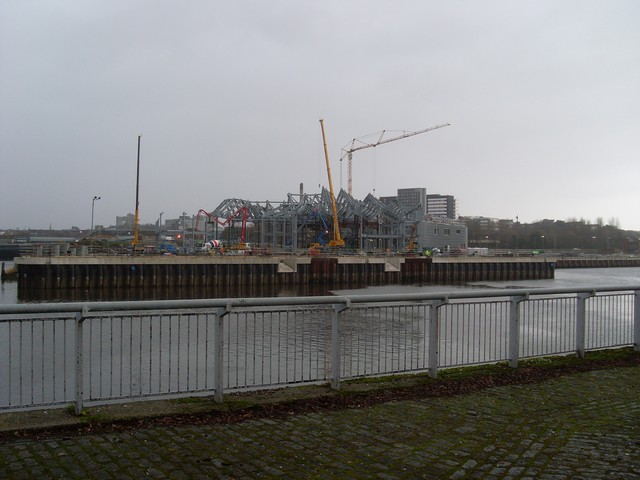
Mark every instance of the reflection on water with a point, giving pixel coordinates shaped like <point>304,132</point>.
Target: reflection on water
<point>167,293</point>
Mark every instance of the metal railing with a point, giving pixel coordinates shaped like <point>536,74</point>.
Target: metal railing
<point>93,353</point>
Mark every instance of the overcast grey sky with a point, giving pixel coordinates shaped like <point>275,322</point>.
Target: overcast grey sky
<point>543,98</point>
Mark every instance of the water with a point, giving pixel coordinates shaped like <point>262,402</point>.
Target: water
<point>564,278</point>
<point>128,355</point>
<point>596,277</point>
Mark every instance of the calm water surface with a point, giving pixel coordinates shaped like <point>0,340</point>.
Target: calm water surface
<point>596,277</point>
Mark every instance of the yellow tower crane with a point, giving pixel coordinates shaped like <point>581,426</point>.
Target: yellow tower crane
<point>357,144</point>
<point>337,239</point>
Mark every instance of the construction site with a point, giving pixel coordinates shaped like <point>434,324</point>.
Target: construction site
<point>325,221</point>
<point>319,223</point>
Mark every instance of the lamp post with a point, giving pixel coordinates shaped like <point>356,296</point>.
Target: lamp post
<point>93,204</point>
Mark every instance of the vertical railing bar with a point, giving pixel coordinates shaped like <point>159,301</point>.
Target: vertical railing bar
<point>53,360</point>
<point>42,361</point>
<point>271,346</point>
<point>448,336</point>
<point>286,346</point>
<point>312,334</point>
<point>476,325</point>
<point>157,322</point>
<point>246,349</point>
<point>156,327</point>
<point>335,342</point>
<point>10,357</point>
<point>279,345</point>
<point>636,320</point>
<point>392,356</point>
<point>388,347</point>
<point>140,350</point>
<point>218,357</point>
<point>99,321</point>
<point>514,329</point>
<point>111,355</point>
<point>423,321</point>
<point>376,327</point>
<point>304,338</point>
<point>262,342</point>
<point>79,390</point>
<point>170,348</point>
<point>31,361</point>
<point>408,354</point>
<point>189,319</point>
<point>434,335</point>
<point>581,323</point>
<point>335,348</point>
<point>409,333</point>
<point>179,354</point>
<point>364,359</point>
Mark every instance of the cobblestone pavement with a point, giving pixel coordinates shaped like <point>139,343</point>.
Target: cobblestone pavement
<point>585,425</point>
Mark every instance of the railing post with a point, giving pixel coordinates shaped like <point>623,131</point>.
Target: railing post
<point>218,353</point>
<point>636,320</point>
<point>335,343</point>
<point>434,336</point>
<point>514,329</point>
<point>581,322</point>
<point>79,395</point>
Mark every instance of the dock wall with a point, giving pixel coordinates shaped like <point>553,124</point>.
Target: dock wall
<point>205,272</point>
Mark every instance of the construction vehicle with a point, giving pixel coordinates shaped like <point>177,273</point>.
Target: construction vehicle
<point>337,240</point>
<point>238,248</point>
<point>321,240</point>
<point>411,247</point>
<point>358,144</point>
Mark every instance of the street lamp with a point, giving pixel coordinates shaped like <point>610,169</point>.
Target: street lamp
<point>93,204</point>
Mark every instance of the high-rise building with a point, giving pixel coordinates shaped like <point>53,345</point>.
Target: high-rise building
<point>413,197</point>
<point>441,206</point>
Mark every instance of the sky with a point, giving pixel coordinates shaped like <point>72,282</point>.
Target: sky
<point>542,98</point>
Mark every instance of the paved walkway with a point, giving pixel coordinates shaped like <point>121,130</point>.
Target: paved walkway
<point>585,425</point>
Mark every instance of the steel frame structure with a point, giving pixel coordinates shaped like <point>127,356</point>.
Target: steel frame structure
<point>296,222</point>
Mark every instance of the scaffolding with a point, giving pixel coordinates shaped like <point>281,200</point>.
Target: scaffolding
<point>303,220</point>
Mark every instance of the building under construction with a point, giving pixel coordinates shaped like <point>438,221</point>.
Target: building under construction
<point>304,220</point>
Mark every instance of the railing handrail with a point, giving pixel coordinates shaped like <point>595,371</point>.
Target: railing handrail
<point>25,308</point>
<point>106,351</point>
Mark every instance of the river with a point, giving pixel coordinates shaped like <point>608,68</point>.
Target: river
<point>596,277</point>
<point>142,355</point>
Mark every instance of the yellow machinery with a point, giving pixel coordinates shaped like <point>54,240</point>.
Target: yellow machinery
<point>337,240</point>
<point>136,220</point>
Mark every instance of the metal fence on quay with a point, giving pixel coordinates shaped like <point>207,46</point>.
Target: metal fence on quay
<point>95,353</point>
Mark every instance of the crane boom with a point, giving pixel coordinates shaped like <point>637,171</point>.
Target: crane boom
<point>337,240</point>
<point>348,152</point>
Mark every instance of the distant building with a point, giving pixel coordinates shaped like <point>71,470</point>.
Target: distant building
<point>128,221</point>
<point>409,198</point>
<point>434,219</point>
<point>442,206</point>
<point>446,234</point>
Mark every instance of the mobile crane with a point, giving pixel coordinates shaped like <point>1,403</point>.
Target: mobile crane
<point>337,240</point>
<point>357,144</point>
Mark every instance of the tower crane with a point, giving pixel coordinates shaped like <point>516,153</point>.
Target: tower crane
<point>357,144</point>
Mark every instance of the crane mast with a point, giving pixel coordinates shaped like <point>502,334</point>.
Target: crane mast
<point>337,240</point>
<point>136,221</point>
<point>348,152</point>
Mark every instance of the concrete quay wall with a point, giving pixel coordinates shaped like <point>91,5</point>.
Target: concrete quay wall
<point>597,262</point>
<point>220,271</point>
